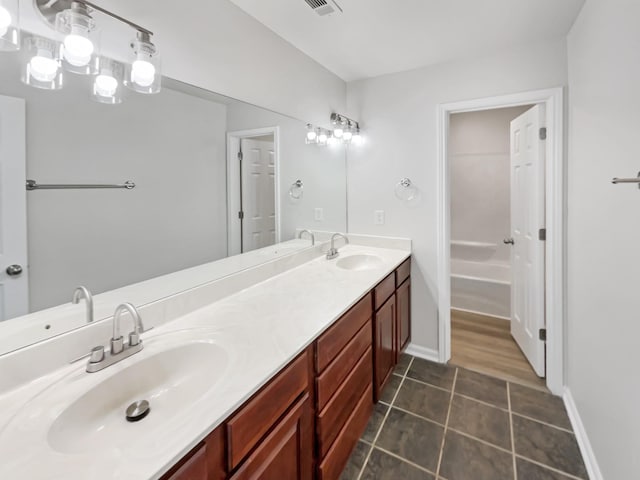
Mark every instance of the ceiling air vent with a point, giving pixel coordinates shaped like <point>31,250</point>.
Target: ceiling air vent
<point>324,7</point>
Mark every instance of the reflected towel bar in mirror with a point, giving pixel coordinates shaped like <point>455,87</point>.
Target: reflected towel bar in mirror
<point>33,185</point>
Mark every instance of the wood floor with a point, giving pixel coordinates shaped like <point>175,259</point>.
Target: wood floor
<point>484,344</point>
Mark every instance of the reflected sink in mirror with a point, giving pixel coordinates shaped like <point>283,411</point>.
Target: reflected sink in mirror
<point>359,262</point>
<point>170,380</point>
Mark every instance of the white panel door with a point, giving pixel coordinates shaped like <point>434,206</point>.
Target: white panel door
<point>527,252</point>
<point>14,287</point>
<point>258,194</point>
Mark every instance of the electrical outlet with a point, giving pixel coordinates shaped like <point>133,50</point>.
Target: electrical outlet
<point>318,214</point>
<point>378,217</point>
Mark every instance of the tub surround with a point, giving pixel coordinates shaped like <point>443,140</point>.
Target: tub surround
<point>261,319</point>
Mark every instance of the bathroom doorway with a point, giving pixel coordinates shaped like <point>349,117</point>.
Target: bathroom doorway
<point>486,328</point>
<point>252,179</point>
<point>500,275</point>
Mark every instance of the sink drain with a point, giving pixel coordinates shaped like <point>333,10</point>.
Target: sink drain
<point>138,410</point>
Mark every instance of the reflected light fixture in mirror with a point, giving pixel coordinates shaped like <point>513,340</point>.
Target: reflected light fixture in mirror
<point>9,21</point>
<point>41,63</point>
<point>312,135</point>
<point>346,131</point>
<point>80,39</point>
<point>107,85</point>
<point>143,75</point>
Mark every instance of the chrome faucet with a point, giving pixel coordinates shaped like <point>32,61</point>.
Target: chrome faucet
<point>83,292</point>
<point>98,360</point>
<point>333,252</point>
<point>313,238</point>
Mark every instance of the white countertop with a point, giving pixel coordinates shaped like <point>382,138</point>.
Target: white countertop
<point>259,330</point>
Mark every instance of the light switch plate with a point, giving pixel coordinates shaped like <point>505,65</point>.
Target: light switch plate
<point>378,217</point>
<point>318,214</point>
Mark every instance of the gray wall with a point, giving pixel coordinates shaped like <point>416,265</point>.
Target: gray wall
<point>171,145</point>
<point>604,232</point>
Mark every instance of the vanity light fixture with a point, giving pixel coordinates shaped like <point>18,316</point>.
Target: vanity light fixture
<point>346,131</point>
<point>81,39</point>
<point>9,21</point>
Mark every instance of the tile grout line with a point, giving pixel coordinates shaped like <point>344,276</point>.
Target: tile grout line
<point>446,424</point>
<point>548,467</point>
<point>395,455</point>
<point>375,438</point>
<point>513,444</point>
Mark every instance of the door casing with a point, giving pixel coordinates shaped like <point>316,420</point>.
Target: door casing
<point>555,216</point>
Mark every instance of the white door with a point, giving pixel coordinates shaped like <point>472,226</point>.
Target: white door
<point>14,283</point>
<point>527,250</point>
<point>258,194</point>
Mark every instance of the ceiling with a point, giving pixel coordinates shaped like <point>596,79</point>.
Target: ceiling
<point>376,37</point>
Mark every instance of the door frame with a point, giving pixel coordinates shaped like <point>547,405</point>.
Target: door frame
<point>553,99</point>
<point>233,188</point>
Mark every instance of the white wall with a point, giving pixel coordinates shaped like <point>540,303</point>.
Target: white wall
<point>171,145</point>
<point>321,169</point>
<point>480,178</point>
<point>603,286</point>
<point>398,114</point>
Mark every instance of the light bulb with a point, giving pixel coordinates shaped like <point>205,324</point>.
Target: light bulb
<point>5,20</point>
<point>77,50</point>
<point>357,139</point>
<point>105,85</point>
<point>143,73</point>
<point>347,136</point>
<point>311,136</point>
<point>322,138</point>
<point>42,67</point>
<point>338,132</point>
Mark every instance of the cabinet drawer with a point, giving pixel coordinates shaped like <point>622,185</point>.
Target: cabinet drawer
<point>333,464</point>
<point>287,452</point>
<point>403,272</point>
<point>257,416</point>
<point>333,376</point>
<point>195,467</point>
<point>333,340</point>
<point>384,290</point>
<point>335,414</point>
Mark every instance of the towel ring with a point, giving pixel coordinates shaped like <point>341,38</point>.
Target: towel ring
<point>296,190</point>
<point>405,190</point>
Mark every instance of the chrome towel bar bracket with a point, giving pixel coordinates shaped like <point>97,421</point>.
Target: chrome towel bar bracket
<point>617,180</point>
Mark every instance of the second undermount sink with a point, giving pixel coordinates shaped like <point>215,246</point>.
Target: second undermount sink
<point>359,262</point>
<point>170,380</point>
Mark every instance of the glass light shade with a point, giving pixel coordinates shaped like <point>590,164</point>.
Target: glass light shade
<point>347,136</point>
<point>41,66</point>
<point>338,132</point>
<point>144,75</point>
<point>80,39</point>
<point>312,135</point>
<point>9,25</point>
<point>357,139</point>
<point>322,138</point>
<point>333,140</point>
<point>107,84</point>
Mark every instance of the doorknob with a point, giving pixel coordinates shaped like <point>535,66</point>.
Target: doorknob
<point>14,270</point>
<point>508,241</point>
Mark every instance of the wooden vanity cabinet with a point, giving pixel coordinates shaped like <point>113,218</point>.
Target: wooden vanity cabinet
<point>204,462</point>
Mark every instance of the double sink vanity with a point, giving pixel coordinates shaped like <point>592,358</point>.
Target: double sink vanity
<point>275,379</point>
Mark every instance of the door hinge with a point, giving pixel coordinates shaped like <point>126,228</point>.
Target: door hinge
<point>240,156</point>
<point>542,234</point>
<point>241,215</point>
<point>543,133</point>
<point>542,334</point>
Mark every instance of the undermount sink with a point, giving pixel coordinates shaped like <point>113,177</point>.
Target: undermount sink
<point>359,262</point>
<point>170,380</point>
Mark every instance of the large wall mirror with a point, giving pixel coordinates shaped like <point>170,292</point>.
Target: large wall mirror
<point>213,177</point>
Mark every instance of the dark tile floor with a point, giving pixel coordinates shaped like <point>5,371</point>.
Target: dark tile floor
<point>438,422</point>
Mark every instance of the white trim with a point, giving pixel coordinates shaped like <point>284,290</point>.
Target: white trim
<point>464,310</point>
<point>555,214</point>
<point>233,139</point>
<point>422,352</point>
<point>588,455</point>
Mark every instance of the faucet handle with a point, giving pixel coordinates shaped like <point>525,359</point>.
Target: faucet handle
<point>134,337</point>
<point>97,354</point>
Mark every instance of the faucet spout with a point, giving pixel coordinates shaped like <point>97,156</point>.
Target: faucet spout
<point>333,251</point>
<point>83,292</point>
<point>117,343</point>
<point>313,238</point>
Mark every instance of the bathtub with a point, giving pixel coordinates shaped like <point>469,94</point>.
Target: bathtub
<point>479,282</point>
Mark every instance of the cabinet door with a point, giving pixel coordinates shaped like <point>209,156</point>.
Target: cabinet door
<point>403,297</point>
<point>385,343</point>
<point>287,452</point>
<point>193,468</point>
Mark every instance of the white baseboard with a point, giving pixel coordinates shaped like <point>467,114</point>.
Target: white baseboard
<point>422,352</point>
<point>581,435</point>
